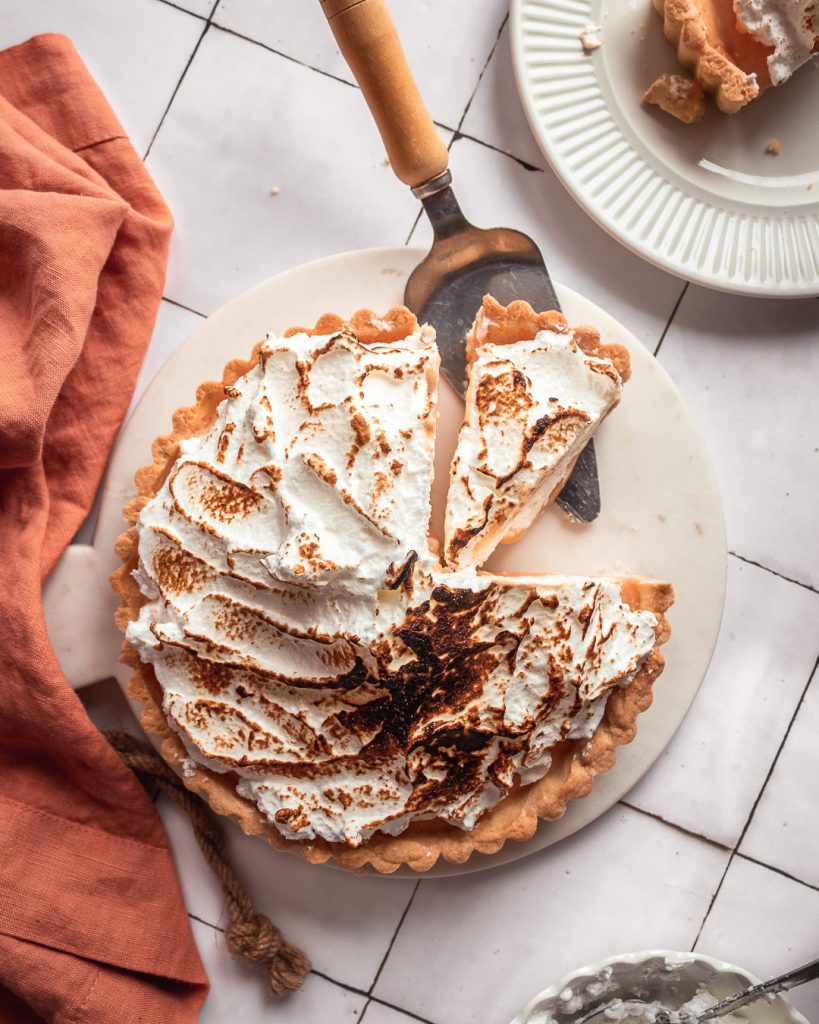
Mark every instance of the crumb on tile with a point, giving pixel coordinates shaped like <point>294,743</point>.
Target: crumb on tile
<point>773,148</point>
<point>591,37</point>
<point>385,162</point>
<point>678,95</point>
<point>275,190</point>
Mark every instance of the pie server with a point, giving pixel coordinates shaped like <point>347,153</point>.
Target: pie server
<point>465,262</point>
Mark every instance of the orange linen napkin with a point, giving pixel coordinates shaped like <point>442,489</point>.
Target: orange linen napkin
<point>92,924</point>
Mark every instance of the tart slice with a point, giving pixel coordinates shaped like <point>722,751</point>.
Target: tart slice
<point>536,392</point>
<point>739,48</point>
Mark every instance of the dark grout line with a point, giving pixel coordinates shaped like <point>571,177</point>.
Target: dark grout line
<point>341,984</point>
<point>483,71</point>
<point>756,804</point>
<point>678,828</point>
<point>201,920</point>
<point>400,1009</point>
<point>778,871</point>
<point>459,134</point>
<point>711,903</point>
<point>671,318</point>
<point>181,305</point>
<point>394,937</point>
<point>778,752</point>
<point>318,974</point>
<point>184,10</point>
<point>178,84</point>
<point>418,217</point>
<point>773,572</point>
<point>335,78</point>
<point>301,63</point>
<point>456,132</point>
<point>503,152</point>
<point>293,60</point>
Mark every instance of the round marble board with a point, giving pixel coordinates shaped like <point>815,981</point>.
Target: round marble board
<point>661,511</point>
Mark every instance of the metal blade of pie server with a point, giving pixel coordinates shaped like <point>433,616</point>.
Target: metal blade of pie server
<point>451,311</point>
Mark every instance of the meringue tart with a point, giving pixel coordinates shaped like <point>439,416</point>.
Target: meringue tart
<point>313,668</point>
<point>738,48</point>
<point>536,392</point>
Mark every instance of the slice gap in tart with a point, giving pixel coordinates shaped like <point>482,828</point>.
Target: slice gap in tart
<point>536,392</point>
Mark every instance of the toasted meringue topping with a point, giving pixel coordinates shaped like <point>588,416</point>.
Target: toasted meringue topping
<point>790,27</point>
<point>305,635</point>
<point>531,406</point>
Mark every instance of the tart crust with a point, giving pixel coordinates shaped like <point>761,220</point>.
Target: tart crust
<point>678,95</point>
<point>574,763</point>
<point>504,325</point>
<point>711,48</point>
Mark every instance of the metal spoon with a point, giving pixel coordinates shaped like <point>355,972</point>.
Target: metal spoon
<point>783,982</point>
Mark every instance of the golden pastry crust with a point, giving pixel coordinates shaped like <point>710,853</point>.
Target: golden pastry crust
<point>574,764</point>
<point>678,95</point>
<point>503,325</point>
<point>711,48</point>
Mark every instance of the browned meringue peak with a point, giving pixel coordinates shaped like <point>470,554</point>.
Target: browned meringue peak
<point>536,391</point>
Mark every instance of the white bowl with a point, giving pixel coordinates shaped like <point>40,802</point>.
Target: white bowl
<point>656,974</point>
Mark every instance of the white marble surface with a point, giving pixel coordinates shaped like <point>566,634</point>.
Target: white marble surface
<point>265,102</point>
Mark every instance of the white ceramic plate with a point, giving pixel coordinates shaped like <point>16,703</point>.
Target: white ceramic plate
<point>661,516</point>
<point>671,978</point>
<point>702,201</point>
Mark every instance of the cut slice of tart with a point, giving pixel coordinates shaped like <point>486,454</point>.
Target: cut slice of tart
<point>739,48</point>
<point>536,392</point>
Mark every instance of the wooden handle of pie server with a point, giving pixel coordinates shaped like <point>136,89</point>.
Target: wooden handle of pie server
<point>367,38</point>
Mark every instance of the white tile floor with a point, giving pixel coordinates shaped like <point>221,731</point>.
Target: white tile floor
<point>765,654</point>
<point>265,101</point>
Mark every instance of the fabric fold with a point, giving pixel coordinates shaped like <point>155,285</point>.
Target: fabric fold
<point>92,923</point>
<point>61,866</point>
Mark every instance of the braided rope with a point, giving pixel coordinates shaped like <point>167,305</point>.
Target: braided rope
<point>250,935</point>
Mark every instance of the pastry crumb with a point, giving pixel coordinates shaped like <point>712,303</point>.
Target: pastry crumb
<point>274,191</point>
<point>385,162</point>
<point>773,148</point>
<point>678,95</point>
<point>591,38</point>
